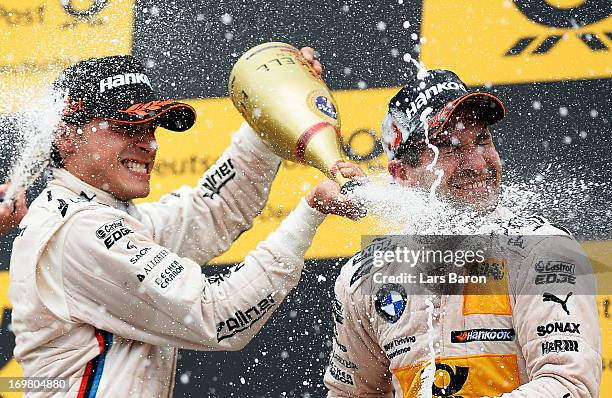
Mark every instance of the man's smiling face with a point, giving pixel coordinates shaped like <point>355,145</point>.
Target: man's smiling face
<point>115,157</point>
<point>471,164</point>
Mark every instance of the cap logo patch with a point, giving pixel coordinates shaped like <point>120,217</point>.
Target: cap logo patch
<point>142,110</point>
<point>427,94</point>
<point>121,80</point>
<point>72,106</point>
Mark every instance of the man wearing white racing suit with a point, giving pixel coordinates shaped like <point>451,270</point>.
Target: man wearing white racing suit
<point>104,291</point>
<point>539,338</point>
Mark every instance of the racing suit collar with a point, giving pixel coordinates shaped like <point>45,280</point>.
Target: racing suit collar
<point>64,178</point>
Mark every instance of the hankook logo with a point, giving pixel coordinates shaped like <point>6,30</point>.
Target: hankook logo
<point>468,336</point>
<point>424,96</point>
<point>121,80</point>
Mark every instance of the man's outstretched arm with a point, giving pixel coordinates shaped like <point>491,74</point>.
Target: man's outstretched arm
<point>115,277</point>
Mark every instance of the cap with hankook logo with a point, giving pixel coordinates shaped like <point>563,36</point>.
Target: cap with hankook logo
<point>443,92</point>
<point>117,89</point>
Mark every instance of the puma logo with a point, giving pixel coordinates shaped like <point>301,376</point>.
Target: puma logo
<point>555,299</point>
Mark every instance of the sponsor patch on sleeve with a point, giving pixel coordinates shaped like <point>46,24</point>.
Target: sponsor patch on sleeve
<point>216,178</point>
<point>167,275</point>
<point>244,318</point>
<point>340,375</point>
<point>112,232</point>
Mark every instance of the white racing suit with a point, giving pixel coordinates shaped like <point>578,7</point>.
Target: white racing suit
<point>104,291</point>
<point>522,343</point>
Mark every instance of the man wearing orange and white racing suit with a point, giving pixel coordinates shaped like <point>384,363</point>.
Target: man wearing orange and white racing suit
<point>537,337</point>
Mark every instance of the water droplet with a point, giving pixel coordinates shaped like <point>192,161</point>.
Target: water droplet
<point>563,111</point>
<point>226,19</point>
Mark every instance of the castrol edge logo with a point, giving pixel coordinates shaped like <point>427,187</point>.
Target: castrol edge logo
<point>518,41</point>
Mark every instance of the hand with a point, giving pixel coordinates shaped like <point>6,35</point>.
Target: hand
<point>327,199</point>
<point>309,54</point>
<point>11,213</point>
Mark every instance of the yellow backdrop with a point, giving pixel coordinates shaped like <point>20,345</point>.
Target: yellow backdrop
<point>473,37</point>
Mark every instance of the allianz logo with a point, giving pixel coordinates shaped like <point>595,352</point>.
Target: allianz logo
<point>121,80</point>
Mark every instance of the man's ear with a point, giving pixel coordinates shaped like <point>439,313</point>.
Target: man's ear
<point>64,138</point>
<point>401,172</point>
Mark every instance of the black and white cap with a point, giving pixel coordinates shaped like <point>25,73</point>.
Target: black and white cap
<point>430,101</point>
<point>117,88</point>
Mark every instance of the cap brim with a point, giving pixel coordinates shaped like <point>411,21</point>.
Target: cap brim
<point>485,105</point>
<point>171,115</point>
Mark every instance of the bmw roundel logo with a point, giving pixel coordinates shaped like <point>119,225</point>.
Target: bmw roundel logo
<point>390,302</point>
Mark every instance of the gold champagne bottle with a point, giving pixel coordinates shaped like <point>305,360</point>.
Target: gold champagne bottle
<point>288,105</point>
